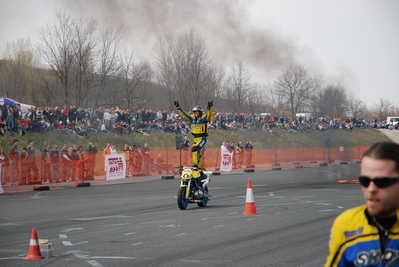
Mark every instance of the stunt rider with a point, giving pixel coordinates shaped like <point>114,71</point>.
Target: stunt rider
<point>199,129</point>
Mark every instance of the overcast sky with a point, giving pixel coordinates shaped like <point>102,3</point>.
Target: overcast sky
<point>354,42</point>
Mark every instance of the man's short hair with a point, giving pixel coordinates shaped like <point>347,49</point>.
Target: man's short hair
<point>384,150</point>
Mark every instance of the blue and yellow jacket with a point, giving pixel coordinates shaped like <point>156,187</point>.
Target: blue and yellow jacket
<point>199,127</point>
<point>354,242</point>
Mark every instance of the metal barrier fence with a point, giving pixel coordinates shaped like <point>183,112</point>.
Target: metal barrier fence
<point>163,160</point>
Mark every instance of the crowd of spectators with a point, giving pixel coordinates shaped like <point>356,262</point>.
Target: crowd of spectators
<point>72,162</point>
<point>82,121</point>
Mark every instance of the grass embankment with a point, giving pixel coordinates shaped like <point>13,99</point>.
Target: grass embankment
<point>261,139</point>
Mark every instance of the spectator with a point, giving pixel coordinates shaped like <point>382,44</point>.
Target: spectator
<point>70,159</point>
<point>24,167</point>
<point>81,131</point>
<point>91,152</point>
<point>55,164</point>
<point>146,154</point>
<point>112,149</point>
<point>4,161</point>
<point>15,118</point>
<point>64,164</point>
<point>238,154</point>
<point>3,127</point>
<point>224,148</point>
<point>107,119</point>
<point>31,162</point>
<point>59,127</point>
<point>248,153</point>
<point>46,165</point>
<point>104,128</point>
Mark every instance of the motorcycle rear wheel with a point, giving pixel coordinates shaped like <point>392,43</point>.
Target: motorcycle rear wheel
<point>205,199</point>
<point>182,201</point>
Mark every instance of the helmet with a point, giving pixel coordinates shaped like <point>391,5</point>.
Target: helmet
<point>198,108</point>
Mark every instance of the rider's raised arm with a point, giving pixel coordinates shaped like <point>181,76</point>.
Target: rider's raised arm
<point>184,115</point>
<point>209,114</point>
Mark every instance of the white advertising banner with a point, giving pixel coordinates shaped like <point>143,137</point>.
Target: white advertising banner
<point>115,165</point>
<point>227,161</point>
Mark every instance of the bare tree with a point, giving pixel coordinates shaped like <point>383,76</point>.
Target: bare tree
<point>185,69</point>
<point>83,45</point>
<point>17,69</point>
<point>107,56</point>
<point>383,109</point>
<point>276,100</point>
<point>239,85</point>
<point>356,107</point>
<point>257,101</point>
<point>67,46</point>
<point>332,101</point>
<point>134,79</point>
<point>56,50</point>
<point>297,86</point>
<point>218,80</point>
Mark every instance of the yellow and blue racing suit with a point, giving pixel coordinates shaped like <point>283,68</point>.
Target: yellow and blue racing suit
<point>355,241</point>
<point>199,129</point>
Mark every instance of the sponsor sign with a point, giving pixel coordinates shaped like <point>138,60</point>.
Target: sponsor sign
<point>227,162</point>
<point>115,165</point>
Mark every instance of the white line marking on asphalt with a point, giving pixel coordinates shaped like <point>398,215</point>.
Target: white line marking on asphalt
<point>340,207</point>
<point>118,224</point>
<point>68,243</point>
<point>71,229</point>
<point>205,262</point>
<point>181,234</point>
<point>36,196</point>
<point>78,254</point>
<point>325,204</point>
<point>99,218</point>
<point>136,244</point>
<point>169,226</point>
<point>325,210</point>
<point>246,196</point>
<point>62,236</point>
<point>94,263</point>
<point>217,226</point>
<point>271,194</point>
<point>159,221</point>
<point>204,219</point>
<point>231,213</point>
<point>191,261</point>
<point>8,224</point>
<point>111,257</point>
<point>131,233</point>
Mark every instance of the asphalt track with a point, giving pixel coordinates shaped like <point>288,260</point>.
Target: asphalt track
<point>138,223</point>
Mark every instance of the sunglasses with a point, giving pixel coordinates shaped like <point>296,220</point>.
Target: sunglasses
<point>380,182</point>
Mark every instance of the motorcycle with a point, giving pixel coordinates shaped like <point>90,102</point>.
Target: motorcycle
<point>193,189</point>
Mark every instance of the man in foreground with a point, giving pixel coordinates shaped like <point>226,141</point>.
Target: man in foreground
<point>369,235</point>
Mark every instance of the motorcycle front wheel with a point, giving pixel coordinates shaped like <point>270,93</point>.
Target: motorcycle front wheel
<point>205,199</point>
<point>182,201</point>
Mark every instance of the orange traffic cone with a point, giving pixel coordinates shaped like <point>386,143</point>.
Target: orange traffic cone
<point>34,249</point>
<point>250,207</point>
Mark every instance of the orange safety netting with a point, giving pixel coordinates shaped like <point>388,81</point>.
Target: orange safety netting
<point>164,160</point>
